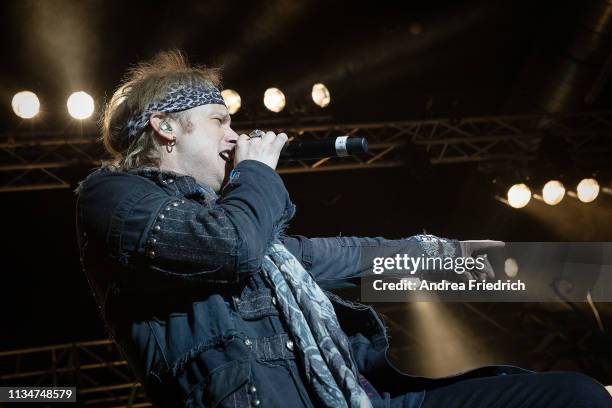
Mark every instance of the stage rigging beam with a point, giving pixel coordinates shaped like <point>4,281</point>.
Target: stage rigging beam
<point>45,160</point>
<point>103,378</point>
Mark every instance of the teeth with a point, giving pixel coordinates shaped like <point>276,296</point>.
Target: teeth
<point>227,155</point>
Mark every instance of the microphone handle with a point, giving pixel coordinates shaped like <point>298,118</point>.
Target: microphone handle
<point>340,146</point>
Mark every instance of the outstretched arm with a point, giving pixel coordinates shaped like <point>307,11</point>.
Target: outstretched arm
<point>340,261</point>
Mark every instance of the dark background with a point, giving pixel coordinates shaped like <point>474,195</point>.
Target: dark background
<point>471,58</point>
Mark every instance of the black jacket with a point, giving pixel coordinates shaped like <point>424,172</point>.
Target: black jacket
<point>175,271</point>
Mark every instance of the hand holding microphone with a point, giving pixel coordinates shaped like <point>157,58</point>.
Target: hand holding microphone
<point>260,146</point>
<point>340,146</point>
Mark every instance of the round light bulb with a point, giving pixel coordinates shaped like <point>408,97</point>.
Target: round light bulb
<point>232,100</point>
<point>553,192</point>
<point>511,267</point>
<point>274,99</point>
<point>519,195</point>
<point>587,190</point>
<point>80,105</point>
<point>25,104</point>
<point>321,95</point>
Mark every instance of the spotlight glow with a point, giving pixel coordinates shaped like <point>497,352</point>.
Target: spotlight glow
<point>274,99</point>
<point>321,95</point>
<point>232,100</point>
<point>25,104</point>
<point>553,192</point>
<point>587,190</point>
<point>511,267</point>
<point>80,105</point>
<point>519,195</point>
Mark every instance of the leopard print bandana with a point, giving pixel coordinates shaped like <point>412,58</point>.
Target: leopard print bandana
<point>178,98</point>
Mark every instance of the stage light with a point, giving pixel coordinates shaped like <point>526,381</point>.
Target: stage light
<point>274,99</point>
<point>25,104</point>
<point>587,190</point>
<point>511,267</point>
<point>519,195</point>
<point>321,95</point>
<point>553,192</point>
<point>232,100</point>
<point>80,105</point>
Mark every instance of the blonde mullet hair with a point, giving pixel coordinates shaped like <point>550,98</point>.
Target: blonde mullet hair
<point>142,84</point>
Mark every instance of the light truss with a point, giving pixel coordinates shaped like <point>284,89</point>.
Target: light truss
<point>97,369</point>
<point>46,160</point>
<point>548,334</point>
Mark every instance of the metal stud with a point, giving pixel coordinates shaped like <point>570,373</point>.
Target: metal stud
<point>252,389</point>
<point>256,402</point>
<point>151,254</point>
<point>175,204</point>
<point>157,228</point>
<point>289,345</point>
<point>248,342</point>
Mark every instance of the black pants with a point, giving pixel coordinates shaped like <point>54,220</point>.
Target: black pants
<point>546,390</point>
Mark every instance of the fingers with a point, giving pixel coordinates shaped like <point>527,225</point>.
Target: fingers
<point>265,148</point>
<point>477,245</point>
<point>269,137</point>
<point>484,274</point>
<point>242,139</point>
<point>280,140</point>
<point>471,246</point>
<point>488,271</point>
<point>467,276</point>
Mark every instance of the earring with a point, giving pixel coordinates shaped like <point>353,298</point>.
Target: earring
<point>170,145</point>
<point>165,126</point>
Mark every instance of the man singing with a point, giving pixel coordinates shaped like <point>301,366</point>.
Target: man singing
<point>182,241</point>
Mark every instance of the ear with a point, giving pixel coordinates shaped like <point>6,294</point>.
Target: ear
<point>156,119</point>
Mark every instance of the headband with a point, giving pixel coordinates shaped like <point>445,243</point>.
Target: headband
<point>178,98</point>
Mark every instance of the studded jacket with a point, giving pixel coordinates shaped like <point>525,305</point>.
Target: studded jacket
<point>175,272</point>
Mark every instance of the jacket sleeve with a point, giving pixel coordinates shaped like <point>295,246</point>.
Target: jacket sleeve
<point>182,240</point>
<point>340,261</point>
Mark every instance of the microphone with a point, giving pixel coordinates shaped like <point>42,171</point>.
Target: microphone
<point>340,146</point>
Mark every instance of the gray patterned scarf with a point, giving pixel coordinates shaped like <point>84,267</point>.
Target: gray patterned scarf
<point>323,346</point>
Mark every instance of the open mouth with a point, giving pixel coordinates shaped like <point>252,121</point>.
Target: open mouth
<point>227,155</point>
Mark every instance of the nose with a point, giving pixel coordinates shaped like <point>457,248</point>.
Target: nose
<point>231,136</point>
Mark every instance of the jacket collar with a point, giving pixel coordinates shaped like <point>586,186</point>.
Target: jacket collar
<point>187,185</point>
